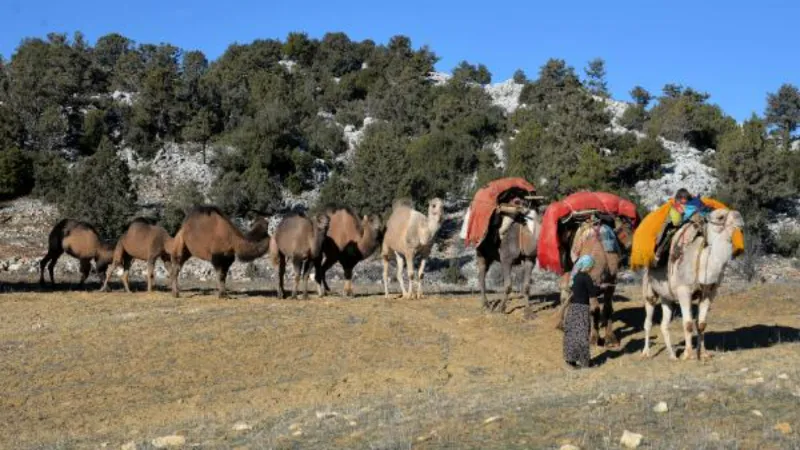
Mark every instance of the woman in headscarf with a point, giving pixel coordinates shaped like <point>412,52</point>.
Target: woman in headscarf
<point>577,353</point>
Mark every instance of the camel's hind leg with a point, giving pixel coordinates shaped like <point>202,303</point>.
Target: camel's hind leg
<point>320,269</point>
<point>86,267</point>
<point>666,318</point>
<point>501,306</point>
<point>151,274</point>
<point>348,280</point>
<point>298,266</point>
<point>305,269</point>
<point>177,260</point>
<point>564,297</point>
<point>281,273</point>
<point>411,275</point>
<point>527,273</point>
<point>50,261</point>
<point>483,267</point>
<point>606,318</point>
<point>109,272</point>
<point>400,264</point>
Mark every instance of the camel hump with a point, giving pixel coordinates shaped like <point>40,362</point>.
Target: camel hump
<point>404,202</point>
<point>142,220</point>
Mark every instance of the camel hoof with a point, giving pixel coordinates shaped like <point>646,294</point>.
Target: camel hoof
<point>705,356</point>
<point>594,340</point>
<point>611,342</point>
<point>645,354</point>
<point>673,357</point>
<point>688,356</point>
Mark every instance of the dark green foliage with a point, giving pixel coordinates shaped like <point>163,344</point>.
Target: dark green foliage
<point>753,173</point>
<point>783,111</point>
<point>641,96</point>
<point>100,192</point>
<point>300,48</point>
<point>640,161</point>
<point>252,190</point>
<point>519,77</point>
<point>182,198</point>
<point>379,173</point>
<point>596,77</point>
<point>16,170</point>
<point>683,115</point>
<point>94,129</point>
<point>634,118</point>
<point>470,73</point>
<point>50,177</point>
<point>787,243</point>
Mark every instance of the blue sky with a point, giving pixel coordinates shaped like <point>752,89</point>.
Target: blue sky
<point>737,51</point>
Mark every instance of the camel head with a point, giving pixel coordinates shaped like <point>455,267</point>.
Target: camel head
<point>374,221</point>
<point>435,209</point>
<point>105,255</point>
<point>727,224</point>
<point>259,230</point>
<point>321,222</point>
<point>624,231</point>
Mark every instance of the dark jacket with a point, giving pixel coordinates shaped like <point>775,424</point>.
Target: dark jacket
<point>583,288</point>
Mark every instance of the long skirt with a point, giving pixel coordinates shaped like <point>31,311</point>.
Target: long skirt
<point>576,335</point>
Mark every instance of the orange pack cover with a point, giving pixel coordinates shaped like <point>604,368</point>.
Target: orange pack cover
<point>549,252</point>
<point>645,236</point>
<point>484,204</point>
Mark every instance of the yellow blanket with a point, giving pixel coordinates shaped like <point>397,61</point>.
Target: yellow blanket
<point>646,234</point>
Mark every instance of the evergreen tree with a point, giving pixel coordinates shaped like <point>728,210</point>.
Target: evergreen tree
<point>101,193</point>
<point>469,73</point>
<point>641,96</point>
<point>15,173</point>
<point>596,77</point>
<point>519,77</point>
<point>783,111</point>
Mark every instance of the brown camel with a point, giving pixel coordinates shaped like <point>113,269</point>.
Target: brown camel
<point>410,233</point>
<point>206,233</point>
<point>299,239</point>
<point>142,240</point>
<point>348,242</point>
<point>603,273</point>
<point>80,240</point>
<point>511,240</point>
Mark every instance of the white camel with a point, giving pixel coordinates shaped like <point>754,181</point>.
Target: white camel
<point>409,233</point>
<point>697,273</point>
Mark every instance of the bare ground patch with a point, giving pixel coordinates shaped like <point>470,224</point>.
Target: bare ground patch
<point>80,369</point>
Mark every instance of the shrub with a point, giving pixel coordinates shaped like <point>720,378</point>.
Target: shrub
<point>634,118</point>
<point>786,242</point>
<point>101,193</point>
<point>16,170</point>
<point>182,198</point>
<point>50,177</point>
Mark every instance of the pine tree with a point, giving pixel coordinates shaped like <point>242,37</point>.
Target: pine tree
<point>783,111</point>
<point>101,193</point>
<point>596,77</point>
<point>641,96</point>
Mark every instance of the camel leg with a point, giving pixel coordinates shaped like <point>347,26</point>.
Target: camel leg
<point>306,269</point>
<point>400,264</point>
<point>151,269</point>
<point>348,280</point>
<point>527,269</point>
<point>126,272</point>
<point>666,318</point>
<point>86,267</point>
<point>176,263</point>
<point>594,313</point>
<point>565,296</point>
<point>410,268</point>
<point>281,273</point>
<point>685,301</point>
<point>483,267</point>
<point>705,305</point>
<point>320,269</point>
<point>385,275</point>
<point>298,270</point>
<point>501,307</point>
<point>420,276</point>
<point>222,268</point>
<point>52,265</point>
<point>109,271</point>
<point>649,309</point>
<point>606,314</point>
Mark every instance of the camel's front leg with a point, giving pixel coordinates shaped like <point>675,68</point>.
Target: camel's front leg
<point>420,276</point>
<point>501,307</point>
<point>109,271</point>
<point>666,318</point>
<point>705,305</point>
<point>527,269</point>
<point>563,301</point>
<point>685,301</point>
<point>400,264</point>
<point>607,313</point>
<point>483,266</point>
<point>410,268</point>
<point>594,313</point>
<point>649,309</point>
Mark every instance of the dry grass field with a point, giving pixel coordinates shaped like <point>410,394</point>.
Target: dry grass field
<point>90,370</point>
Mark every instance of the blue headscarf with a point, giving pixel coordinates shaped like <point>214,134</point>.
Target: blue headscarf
<point>584,262</point>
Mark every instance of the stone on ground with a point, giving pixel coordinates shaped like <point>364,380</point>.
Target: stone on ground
<point>630,439</point>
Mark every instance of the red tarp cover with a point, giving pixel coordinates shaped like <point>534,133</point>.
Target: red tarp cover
<point>484,203</point>
<point>548,252</point>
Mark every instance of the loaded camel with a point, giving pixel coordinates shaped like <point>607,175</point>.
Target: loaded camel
<point>697,273</point>
<point>588,240</point>
<point>142,240</point>
<point>80,240</point>
<point>410,233</point>
<point>348,242</point>
<point>512,239</point>
<point>298,239</point>
<point>206,233</point>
